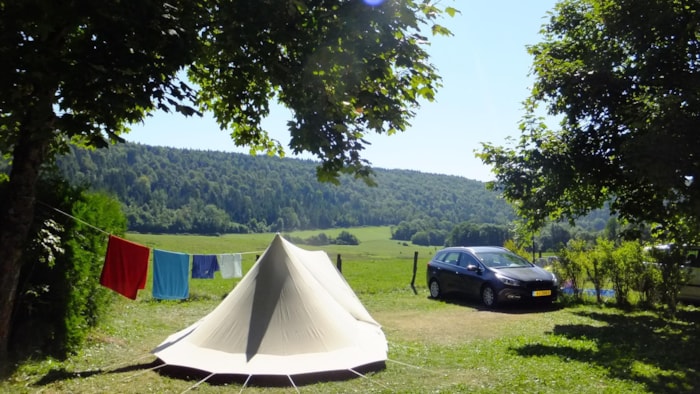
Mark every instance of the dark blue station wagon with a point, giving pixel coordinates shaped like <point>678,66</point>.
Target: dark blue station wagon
<point>489,273</point>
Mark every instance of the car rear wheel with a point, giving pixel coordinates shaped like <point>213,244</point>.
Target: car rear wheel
<point>488,296</point>
<point>434,287</point>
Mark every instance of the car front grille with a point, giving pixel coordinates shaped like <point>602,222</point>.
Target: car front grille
<point>539,285</point>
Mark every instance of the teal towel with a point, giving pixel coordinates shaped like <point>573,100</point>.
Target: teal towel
<point>170,275</point>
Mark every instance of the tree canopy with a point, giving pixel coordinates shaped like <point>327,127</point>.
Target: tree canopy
<point>82,71</point>
<point>622,79</point>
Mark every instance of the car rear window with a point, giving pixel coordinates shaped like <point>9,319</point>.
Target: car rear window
<point>447,257</point>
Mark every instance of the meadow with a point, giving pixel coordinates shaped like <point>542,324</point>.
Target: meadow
<point>446,346</point>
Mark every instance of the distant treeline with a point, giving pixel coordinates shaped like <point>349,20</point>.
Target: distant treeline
<point>168,190</point>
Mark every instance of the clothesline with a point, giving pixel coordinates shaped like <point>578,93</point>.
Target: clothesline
<point>126,266</point>
<point>73,217</point>
<point>103,231</point>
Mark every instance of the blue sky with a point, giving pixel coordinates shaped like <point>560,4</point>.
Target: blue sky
<point>485,70</point>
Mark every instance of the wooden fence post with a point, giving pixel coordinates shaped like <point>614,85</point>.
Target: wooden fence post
<point>415,268</point>
<point>339,264</point>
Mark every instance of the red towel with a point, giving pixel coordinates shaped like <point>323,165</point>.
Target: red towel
<point>126,267</point>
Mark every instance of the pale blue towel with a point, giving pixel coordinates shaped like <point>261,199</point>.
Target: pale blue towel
<point>230,265</point>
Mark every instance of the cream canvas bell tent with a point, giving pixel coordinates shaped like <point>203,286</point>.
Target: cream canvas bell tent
<point>292,314</point>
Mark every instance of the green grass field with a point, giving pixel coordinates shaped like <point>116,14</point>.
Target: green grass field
<point>451,346</point>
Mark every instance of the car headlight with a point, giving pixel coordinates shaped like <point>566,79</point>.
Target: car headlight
<point>508,281</point>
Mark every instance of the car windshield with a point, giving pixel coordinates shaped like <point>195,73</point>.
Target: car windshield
<point>499,259</point>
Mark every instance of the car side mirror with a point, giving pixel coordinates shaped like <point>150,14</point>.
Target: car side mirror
<point>474,268</point>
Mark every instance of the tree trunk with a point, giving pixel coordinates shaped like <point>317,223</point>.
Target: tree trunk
<point>16,215</point>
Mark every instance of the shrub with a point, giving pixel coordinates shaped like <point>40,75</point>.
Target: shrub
<point>598,264</point>
<point>59,298</point>
<point>519,250</point>
<point>421,238</point>
<point>345,238</point>
<point>669,261</point>
<point>649,284</point>
<point>317,240</point>
<point>625,271</point>
<point>429,238</point>
<point>570,266</point>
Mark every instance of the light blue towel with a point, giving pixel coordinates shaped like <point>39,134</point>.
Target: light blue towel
<point>170,275</point>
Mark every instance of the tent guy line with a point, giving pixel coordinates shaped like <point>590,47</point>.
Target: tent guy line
<point>143,372</point>
<point>198,383</point>
<point>115,366</point>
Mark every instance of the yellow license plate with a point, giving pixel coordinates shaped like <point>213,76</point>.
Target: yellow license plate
<point>541,293</point>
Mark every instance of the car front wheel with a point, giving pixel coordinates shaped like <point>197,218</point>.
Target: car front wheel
<point>488,296</point>
<point>434,289</point>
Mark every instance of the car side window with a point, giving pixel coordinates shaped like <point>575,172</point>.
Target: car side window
<point>440,257</point>
<point>468,259</point>
<point>458,260</point>
<point>451,258</point>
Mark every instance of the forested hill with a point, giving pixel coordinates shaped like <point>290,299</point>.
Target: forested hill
<point>193,191</point>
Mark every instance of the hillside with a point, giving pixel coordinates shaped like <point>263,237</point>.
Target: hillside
<point>172,190</point>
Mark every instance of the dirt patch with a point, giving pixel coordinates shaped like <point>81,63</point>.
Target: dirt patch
<point>447,326</point>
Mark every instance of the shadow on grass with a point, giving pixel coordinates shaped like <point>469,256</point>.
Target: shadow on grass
<point>662,354</point>
<point>510,308</point>
<point>61,374</point>
<point>194,375</point>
